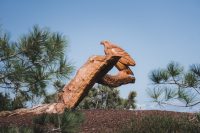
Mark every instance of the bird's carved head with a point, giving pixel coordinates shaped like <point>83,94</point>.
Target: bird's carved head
<point>105,42</point>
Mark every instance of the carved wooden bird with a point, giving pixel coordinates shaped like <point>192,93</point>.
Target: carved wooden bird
<point>124,62</point>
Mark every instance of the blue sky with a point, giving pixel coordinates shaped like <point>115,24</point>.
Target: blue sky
<point>153,32</point>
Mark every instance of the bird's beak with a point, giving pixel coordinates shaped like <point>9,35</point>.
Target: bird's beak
<point>101,42</point>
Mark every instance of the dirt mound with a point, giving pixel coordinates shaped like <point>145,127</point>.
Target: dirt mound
<point>95,120</point>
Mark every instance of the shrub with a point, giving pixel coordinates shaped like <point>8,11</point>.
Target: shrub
<point>163,124</point>
<point>68,122</point>
<point>16,130</point>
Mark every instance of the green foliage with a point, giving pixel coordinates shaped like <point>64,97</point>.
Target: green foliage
<point>195,69</point>
<point>191,80</point>
<point>198,117</point>
<point>130,102</point>
<point>169,93</point>
<point>107,98</point>
<point>16,130</point>
<point>174,69</point>
<point>155,93</point>
<point>163,124</point>
<point>101,97</point>
<point>52,98</point>
<point>17,102</point>
<point>186,96</point>
<point>68,122</point>
<point>5,102</point>
<point>159,75</point>
<point>173,83</point>
<point>28,65</point>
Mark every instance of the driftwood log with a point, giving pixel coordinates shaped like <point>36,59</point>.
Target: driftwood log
<point>93,71</point>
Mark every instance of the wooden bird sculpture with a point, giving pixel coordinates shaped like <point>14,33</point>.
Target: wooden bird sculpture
<point>125,60</point>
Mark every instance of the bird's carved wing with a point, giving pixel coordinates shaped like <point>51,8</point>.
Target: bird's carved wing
<point>122,67</point>
<point>126,58</point>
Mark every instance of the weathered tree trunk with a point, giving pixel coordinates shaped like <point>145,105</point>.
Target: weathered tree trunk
<point>93,71</point>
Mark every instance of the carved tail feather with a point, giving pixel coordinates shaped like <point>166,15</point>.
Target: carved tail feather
<point>125,68</point>
<point>128,71</point>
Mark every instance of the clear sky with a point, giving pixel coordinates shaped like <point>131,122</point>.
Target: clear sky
<point>153,32</point>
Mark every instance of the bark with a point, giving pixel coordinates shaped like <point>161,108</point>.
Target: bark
<point>40,109</point>
<point>93,71</point>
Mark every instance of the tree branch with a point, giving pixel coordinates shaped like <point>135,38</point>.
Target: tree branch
<point>11,56</point>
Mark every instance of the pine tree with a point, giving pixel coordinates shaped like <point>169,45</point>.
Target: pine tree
<point>103,97</point>
<point>173,84</point>
<point>130,102</point>
<point>30,64</point>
